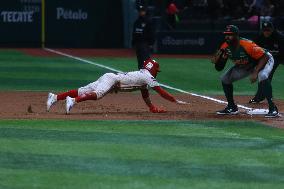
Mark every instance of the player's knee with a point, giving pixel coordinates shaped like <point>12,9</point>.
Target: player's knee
<point>262,76</point>
<point>100,94</point>
<point>225,80</point>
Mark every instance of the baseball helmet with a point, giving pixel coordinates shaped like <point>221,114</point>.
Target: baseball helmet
<point>231,30</point>
<point>152,66</point>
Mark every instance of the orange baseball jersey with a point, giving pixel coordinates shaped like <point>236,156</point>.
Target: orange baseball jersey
<point>247,53</point>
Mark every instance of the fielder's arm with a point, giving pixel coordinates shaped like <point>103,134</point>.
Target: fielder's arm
<point>219,59</point>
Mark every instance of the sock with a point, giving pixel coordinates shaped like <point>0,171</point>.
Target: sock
<point>228,90</point>
<point>259,94</point>
<point>92,96</point>
<point>267,91</point>
<point>72,93</point>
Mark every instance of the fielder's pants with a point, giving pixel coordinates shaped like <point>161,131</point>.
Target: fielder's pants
<point>143,52</point>
<point>238,72</point>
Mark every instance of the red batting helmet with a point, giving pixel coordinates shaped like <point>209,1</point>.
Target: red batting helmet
<point>152,66</point>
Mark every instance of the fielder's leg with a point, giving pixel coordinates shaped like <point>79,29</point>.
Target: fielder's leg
<point>142,53</point>
<point>259,96</point>
<point>263,79</point>
<point>233,74</point>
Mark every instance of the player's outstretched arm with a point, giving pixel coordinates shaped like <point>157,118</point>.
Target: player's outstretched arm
<point>148,102</point>
<point>167,95</point>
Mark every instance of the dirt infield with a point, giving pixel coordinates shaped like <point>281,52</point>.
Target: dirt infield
<point>123,106</point>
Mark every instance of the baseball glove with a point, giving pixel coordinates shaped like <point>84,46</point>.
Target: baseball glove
<point>220,59</point>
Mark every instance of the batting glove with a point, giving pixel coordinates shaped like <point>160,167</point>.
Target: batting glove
<point>154,109</point>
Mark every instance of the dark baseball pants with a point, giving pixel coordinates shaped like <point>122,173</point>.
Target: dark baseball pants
<point>143,52</point>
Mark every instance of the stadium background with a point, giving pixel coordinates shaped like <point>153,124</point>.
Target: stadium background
<point>111,143</point>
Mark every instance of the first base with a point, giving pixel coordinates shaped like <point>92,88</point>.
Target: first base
<point>257,111</point>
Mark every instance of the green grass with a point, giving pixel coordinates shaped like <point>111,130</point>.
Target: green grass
<point>22,72</point>
<point>140,154</point>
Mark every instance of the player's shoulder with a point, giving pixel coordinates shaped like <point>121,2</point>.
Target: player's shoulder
<point>145,72</point>
<point>147,75</point>
<point>247,43</point>
<point>140,72</point>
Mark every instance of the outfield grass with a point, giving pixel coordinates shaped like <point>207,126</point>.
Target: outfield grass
<point>22,72</point>
<point>140,154</point>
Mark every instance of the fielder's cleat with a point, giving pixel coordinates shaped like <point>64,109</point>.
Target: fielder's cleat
<point>70,102</point>
<point>51,100</point>
<point>273,112</point>
<point>228,111</point>
<point>255,100</point>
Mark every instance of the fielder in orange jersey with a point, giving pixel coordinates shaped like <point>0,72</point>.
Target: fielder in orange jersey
<point>249,60</point>
<point>129,81</point>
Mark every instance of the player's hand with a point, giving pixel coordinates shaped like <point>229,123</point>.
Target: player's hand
<point>182,102</point>
<point>253,77</point>
<point>154,109</point>
<point>225,54</point>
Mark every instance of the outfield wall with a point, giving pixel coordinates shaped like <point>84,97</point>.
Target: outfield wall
<point>61,23</point>
<point>90,24</point>
<point>179,42</point>
<point>20,23</point>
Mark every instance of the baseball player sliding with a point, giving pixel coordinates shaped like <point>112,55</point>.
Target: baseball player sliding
<point>129,81</point>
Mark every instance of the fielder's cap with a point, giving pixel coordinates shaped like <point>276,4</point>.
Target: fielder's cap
<point>267,25</point>
<point>231,29</point>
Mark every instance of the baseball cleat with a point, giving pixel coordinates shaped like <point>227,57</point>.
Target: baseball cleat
<point>273,112</point>
<point>228,111</point>
<point>51,100</point>
<point>70,102</point>
<point>255,100</point>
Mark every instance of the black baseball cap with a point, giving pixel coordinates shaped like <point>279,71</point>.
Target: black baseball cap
<point>267,26</point>
<point>231,30</point>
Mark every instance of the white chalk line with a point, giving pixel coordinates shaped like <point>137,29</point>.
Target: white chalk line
<point>163,85</point>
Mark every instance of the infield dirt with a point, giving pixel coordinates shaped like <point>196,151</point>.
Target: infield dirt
<point>126,106</point>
